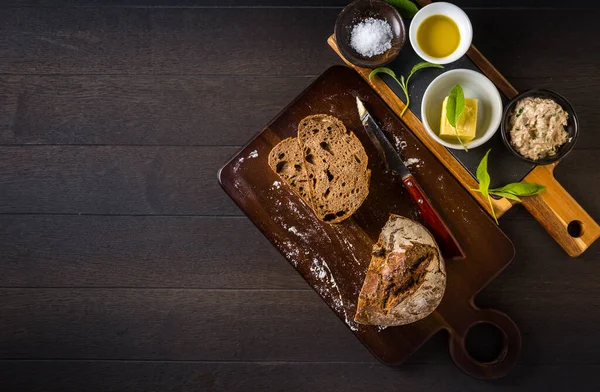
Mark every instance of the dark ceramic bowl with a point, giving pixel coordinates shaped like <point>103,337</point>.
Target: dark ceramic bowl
<point>572,125</point>
<point>359,10</point>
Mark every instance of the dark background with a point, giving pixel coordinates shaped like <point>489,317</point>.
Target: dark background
<point>123,265</point>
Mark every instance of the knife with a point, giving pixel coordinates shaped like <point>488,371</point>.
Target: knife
<point>393,161</point>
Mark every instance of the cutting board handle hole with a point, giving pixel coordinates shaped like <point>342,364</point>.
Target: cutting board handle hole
<point>575,229</point>
<point>486,343</point>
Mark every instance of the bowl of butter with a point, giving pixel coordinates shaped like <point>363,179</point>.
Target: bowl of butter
<point>479,111</point>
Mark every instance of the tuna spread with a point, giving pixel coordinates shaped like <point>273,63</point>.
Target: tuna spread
<point>537,127</point>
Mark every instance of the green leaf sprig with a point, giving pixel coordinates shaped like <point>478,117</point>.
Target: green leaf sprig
<point>511,191</point>
<point>402,81</point>
<point>406,7</point>
<point>455,108</point>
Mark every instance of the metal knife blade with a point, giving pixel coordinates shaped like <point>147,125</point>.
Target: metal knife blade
<point>389,154</point>
<point>448,244</point>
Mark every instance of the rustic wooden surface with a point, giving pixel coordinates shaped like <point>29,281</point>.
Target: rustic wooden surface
<point>123,265</point>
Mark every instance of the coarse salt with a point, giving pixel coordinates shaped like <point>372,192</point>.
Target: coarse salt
<point>371,37</point>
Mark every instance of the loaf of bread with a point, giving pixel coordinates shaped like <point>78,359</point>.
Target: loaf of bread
<point>406,279</point>
<point>336,165</point>
<point>286,160</point>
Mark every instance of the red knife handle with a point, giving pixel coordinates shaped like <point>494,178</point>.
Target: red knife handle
<point>448,244</point>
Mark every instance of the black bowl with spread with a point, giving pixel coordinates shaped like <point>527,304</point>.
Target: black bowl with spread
<point>359,11</point>
<point>572,127</point>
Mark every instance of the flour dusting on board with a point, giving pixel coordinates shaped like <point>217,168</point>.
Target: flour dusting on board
<point>276,185</point>
<point>236,167</point>
<point>290,251</point>
<point>400,144</point>
<point>253,154</point>
<point>293,206</point>
<point>321,271</point>
<point>295,231</point>
<point>413,162</point>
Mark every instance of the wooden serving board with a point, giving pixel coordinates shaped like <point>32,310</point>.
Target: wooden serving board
<point>555,209</point>
<point>334,258</point>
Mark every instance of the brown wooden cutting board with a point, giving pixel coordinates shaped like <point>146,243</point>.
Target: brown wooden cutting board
<point>334,258</point>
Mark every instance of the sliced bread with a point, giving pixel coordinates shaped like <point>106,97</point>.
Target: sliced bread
<point>286,160</point>
<point>336,165</point>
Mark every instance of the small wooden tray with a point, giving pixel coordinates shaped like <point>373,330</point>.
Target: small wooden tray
<point>555,209</point>
<point>334,259</point>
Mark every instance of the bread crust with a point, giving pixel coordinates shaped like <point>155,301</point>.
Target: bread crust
<point>406,279</point>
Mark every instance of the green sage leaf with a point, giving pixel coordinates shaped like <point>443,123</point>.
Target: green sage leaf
<point>406,7</point>
<point>422,65</point>
<point>482,175</point>
<point>384,70</point>
<point>504,194</point>
<point>456,105</point>
<point>521,189</point>
<point>403,82</point>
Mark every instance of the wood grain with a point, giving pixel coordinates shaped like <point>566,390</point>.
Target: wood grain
<point>213,41</point>
<point>151,324</point>
<point>555,209</point>
<point>132,251</point>
<point>204,253</point>
<point>177,324</point>
<point>248,48</point>
<point>157,41</point>
<point>289,3</point>
<point>140,110</point>
<point>101,376</point>
<point>163,180</point>
<point>113,180</point>
<point>175,110</point>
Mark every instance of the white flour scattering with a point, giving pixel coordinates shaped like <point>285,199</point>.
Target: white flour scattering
<point>295,231</point>
<point>291,252</point>
<point>413,161</point>
<point>236,167</point>
<point>253,154</point>
<point>371,37</point>
<point>276,185</point>
<point>400,144</point>
<point>293,207</point>
<point>321,270</point>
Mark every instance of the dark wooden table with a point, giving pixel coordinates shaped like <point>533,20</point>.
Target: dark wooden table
<point>123,266</point>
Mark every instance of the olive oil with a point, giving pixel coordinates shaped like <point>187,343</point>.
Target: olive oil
<point>438,36</point>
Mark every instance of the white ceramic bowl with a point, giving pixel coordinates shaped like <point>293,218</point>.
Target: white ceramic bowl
<point>457,15</point>
<point>474,85</point>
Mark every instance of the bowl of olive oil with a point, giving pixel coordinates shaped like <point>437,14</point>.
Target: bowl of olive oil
<point>441,33</point>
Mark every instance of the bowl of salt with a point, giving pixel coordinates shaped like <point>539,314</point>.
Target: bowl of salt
<point>369,33</point>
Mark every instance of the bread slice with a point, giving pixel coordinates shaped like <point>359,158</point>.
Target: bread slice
<point>336,164</point>
<point>406,279</point>
<point>285,159</point>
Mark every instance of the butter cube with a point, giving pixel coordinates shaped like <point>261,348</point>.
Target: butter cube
<point>466,124</point>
